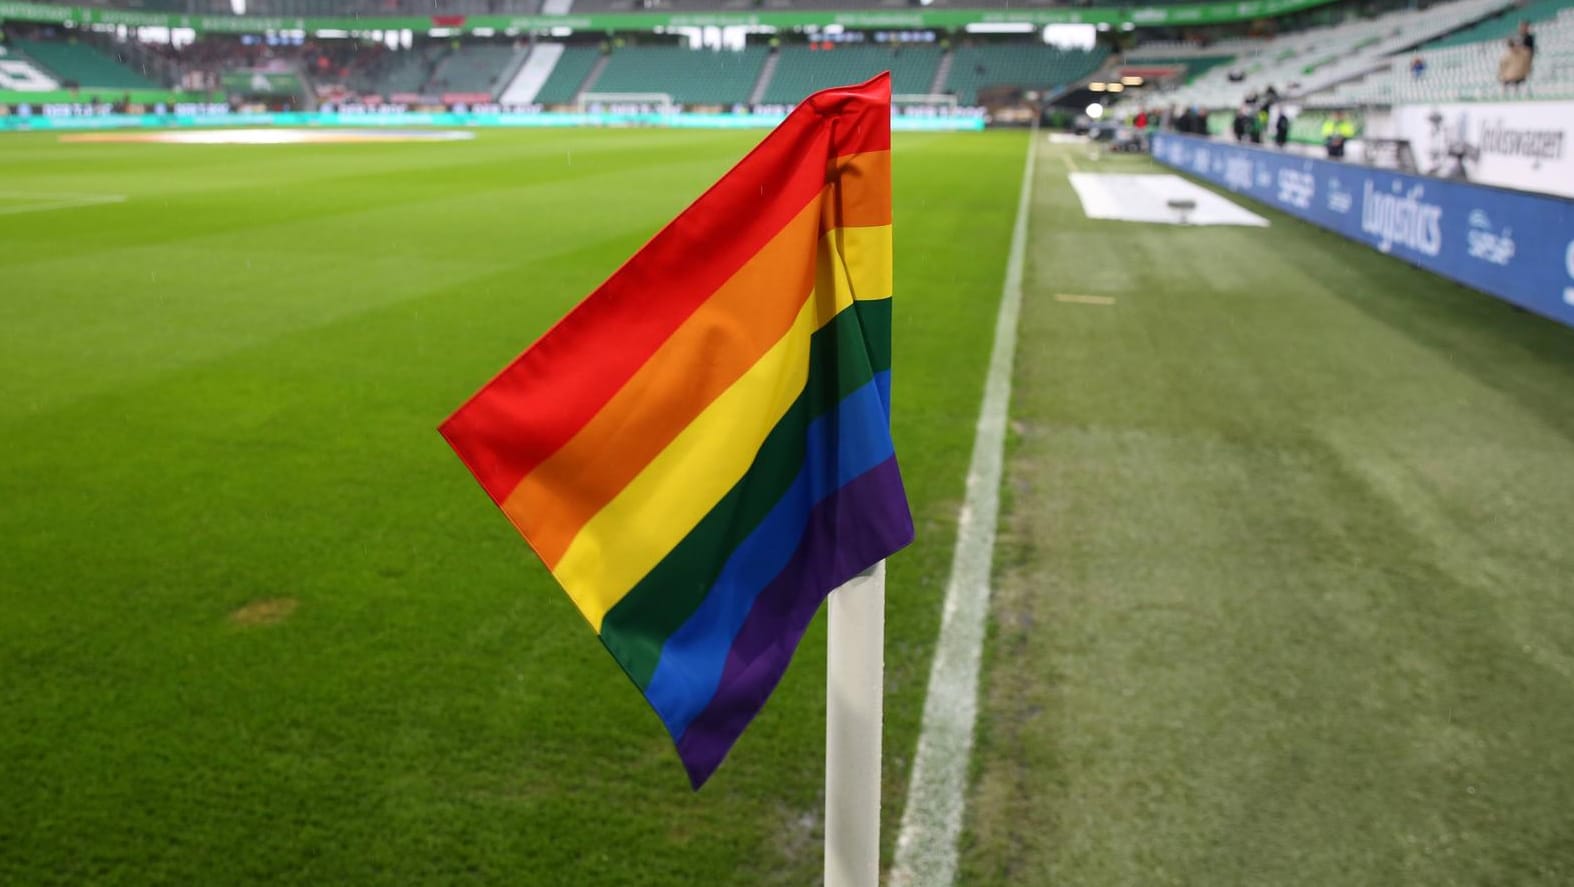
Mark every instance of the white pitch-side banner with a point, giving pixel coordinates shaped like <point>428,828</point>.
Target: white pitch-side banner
<point>1525,145</point>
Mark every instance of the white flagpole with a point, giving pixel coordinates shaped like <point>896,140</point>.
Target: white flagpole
<point>855,693</point>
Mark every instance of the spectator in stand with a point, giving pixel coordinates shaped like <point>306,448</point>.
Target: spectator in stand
<point>1281,129</point>
<point>1514,68</point>
<point>1526,40</point>
<point>1337,130</point>
<point>1417,67</point>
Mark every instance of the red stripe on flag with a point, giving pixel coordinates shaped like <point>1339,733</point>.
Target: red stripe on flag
<point>857,124</point>
<point>538,402</point>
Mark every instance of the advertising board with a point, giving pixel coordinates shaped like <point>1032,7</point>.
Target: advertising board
<point>1514,245</point>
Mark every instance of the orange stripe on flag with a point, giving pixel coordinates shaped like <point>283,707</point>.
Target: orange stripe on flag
<point>537,403</point>
<point>863,198</point>
<point>737,325</point>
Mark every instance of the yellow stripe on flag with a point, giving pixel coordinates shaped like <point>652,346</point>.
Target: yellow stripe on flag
<point>647,518</point>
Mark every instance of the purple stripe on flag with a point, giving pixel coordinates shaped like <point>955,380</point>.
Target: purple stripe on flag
<point>848,532</point>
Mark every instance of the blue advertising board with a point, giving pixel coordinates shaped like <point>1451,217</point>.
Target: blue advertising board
<point>1514,245</point>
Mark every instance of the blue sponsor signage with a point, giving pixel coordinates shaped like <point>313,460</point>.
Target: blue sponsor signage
<point>1513,245</point>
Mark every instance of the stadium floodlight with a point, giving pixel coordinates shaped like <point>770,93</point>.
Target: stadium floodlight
<point>1116,87</point>
<point>1131,80</point>
<point>1071,36</point>
<point>1096,87</point>
<point>1000,28</point>
<point>1095,110</point>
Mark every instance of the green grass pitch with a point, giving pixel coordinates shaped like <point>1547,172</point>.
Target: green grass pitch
<point>1286,580</point>
<point>1283,585</point>
<point>225,390</point>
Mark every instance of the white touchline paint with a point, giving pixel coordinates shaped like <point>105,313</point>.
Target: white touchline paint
<point>44,202</point>
<point>926,847</point>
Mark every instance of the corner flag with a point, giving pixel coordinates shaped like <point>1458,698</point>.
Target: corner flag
<point>701,450</point>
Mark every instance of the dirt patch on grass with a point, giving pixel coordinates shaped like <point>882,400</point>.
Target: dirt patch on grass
<point>265,611</point>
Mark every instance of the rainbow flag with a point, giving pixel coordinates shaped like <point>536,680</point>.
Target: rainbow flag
<point>701,450</point>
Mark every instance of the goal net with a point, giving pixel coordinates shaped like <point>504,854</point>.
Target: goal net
<point>924,100</point>
<point>627,102</point>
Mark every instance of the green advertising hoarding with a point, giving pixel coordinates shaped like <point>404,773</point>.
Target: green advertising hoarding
<point>1139,16</point>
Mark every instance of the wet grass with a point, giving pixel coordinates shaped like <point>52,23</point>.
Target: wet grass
<point>221,394</point>
<point>1284,586</point>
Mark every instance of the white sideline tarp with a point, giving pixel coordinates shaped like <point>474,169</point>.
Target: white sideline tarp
<point>1145,198</point>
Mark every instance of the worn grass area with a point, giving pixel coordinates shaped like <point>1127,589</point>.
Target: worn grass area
<point>1285,584</point>
<point>223,392</point>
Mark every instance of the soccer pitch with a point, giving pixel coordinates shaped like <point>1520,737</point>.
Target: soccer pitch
<point>1284,572</point>
<point>224,389</point>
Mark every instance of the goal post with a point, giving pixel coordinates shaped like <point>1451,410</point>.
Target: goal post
<point>924,100</point>
<point>660,100</point>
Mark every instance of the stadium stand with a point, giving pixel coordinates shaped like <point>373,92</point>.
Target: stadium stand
<point>690,76</point>
<point>531,74</point>
<point>554,7</point>
<point>1468,71</point>
<point>1361,59</point>
<point>976,68</point>
<point>476,68</point>
<point>1194,66</point>
<point>570,74</point>
<point>1502,26</point>
<point>801,70</point>
<point>1310,61</point>
<point>402,72</point>
<point>71,62</point>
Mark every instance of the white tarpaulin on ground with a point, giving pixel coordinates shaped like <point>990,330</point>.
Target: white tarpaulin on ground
<point>1148,198</point>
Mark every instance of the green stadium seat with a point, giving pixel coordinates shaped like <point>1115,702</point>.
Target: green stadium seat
<point>1501,27</point>
<point>80,64</point>
<point>473,68</point>
<point>1027,65</point>
<point>569,75</point>
<point>405,72</point>
<point>690,76</point>
<point>801,70</point>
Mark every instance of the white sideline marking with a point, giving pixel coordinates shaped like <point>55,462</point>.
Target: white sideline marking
<point>1076,299</point>
<point>43,202</point>
<point>926,847</point>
